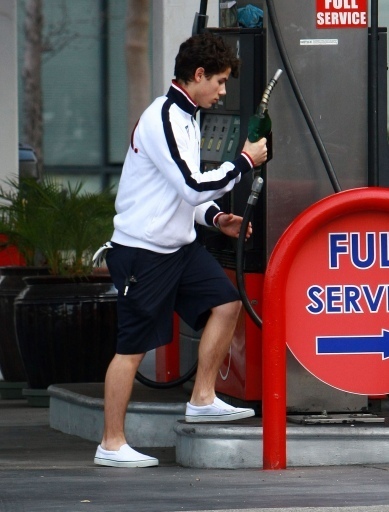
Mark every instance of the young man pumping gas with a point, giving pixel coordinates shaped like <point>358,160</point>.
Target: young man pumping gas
<point>155,262</point>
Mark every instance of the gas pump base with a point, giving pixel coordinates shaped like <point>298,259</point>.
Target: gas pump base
<point>240,446</point>
<point>155,419</point>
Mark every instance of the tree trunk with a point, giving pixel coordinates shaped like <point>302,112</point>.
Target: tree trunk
<point>137,57</point>
<point>32,101</point>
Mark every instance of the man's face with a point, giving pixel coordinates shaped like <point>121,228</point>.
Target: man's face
<point>209,90</point>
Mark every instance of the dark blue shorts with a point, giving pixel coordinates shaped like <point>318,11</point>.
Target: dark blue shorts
<point>151,286</point>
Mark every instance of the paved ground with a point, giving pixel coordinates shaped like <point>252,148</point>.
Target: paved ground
<point>45,470</point>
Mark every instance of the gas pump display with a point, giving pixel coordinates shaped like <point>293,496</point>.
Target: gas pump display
<point>219,138</point>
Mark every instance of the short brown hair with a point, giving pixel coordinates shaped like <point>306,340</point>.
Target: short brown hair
<point>208,51</point>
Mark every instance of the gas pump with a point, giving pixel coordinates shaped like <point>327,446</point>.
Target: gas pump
<point>330,65</point>
<point>319,147</point>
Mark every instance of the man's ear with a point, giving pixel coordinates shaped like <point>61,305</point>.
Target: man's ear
<point>199,73</point>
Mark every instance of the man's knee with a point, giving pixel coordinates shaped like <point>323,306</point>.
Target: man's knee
<point>229,310</point>
<point>127,360</point>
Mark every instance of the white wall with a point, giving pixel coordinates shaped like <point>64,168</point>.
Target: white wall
<point>8,91</point>
<point>172,24</point>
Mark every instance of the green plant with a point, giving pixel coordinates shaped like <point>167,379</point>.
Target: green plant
<point>60,227</point>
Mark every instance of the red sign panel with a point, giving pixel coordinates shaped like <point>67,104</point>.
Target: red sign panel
<point>341,13</point>
<point>337,319</point>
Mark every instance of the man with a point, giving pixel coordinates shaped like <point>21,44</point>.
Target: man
<point>155,262</point>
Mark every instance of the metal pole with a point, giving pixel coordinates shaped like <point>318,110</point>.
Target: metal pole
<point>373,172</point>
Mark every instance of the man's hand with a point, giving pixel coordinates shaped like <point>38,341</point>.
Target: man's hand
<point>230,224</point>
<point>257,151</point>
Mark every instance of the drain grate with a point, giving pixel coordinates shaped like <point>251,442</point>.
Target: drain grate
<point>325,418</point>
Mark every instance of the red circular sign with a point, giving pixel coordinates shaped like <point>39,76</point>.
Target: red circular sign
<point>337,297</point>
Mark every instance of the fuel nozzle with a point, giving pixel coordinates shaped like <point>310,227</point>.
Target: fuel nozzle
<point>270,87</point>
<point>260,122</point>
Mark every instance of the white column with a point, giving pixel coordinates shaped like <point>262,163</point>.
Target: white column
<point>172,23</point>
<point>8,91</point>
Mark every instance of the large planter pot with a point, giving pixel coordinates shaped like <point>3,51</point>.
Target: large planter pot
<point>66,328</point>
<point>11,284</point>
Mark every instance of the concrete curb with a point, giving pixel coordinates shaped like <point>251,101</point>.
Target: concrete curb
<point>219,445</point>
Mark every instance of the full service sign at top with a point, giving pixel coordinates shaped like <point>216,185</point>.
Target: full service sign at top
<point>341,13</point>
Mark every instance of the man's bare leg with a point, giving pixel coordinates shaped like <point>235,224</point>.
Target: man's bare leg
<point>119,382</point>
<point>214,344</point>
<point>204,405</point>
<point>114,450</point>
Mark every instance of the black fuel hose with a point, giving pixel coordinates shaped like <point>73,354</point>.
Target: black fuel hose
<point>297,92</point>
<point>251,202</point>
<point>151,383</point>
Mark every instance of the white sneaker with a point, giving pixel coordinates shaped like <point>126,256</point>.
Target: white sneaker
<point>125,457</point>
<point>217,411</point>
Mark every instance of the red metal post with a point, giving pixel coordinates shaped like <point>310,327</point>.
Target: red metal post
<point>274,336</point>
<point>274,372</point>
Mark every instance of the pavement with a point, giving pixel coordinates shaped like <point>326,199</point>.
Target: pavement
<point>42,469</point>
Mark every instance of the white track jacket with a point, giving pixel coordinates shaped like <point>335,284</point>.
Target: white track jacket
<point>162,192</point>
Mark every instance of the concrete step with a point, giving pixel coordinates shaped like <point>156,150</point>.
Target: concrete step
<point>155,419</point>
<point>78,409</point>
